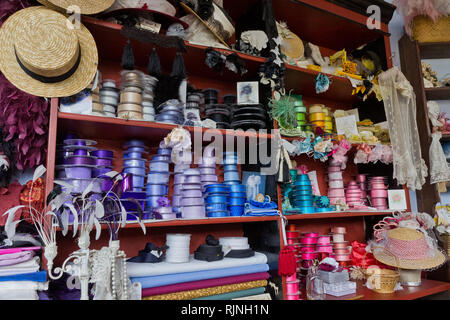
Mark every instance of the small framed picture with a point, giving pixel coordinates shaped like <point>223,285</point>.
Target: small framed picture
<point>397,200</point>
<point>247,92</point>
<point>346,126</point>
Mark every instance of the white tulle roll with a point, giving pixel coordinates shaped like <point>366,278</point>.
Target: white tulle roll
<point>178,244</point>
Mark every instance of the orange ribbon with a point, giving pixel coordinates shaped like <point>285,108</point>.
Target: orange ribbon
<point>32,195</point>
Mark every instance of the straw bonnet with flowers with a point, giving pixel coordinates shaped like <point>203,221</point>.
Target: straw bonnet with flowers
<point>408,245</point>
<point>44,54</point>
<point>85,6</point>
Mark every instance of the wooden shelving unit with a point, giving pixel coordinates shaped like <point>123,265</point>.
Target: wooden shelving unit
<point>328,25</point>
<point>438,93</point>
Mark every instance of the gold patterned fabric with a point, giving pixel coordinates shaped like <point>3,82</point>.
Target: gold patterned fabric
<point>192,294</point>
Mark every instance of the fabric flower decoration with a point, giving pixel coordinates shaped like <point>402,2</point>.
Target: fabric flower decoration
<point>323,202</point>
<point>163,202</point>
<point>322,83</point>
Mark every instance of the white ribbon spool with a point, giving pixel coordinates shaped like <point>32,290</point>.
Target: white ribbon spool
<point>233,243</point>
<point>178,244</point>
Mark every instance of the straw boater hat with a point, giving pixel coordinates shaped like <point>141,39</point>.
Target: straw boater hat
<point>86,6</point>
<point>407,248</point>
<point>41,55</point>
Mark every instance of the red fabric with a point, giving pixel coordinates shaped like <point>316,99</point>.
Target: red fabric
<point>286,262</point>
<point>35,199</point>
<point>193,285</point>
<point>360,258</point>
<point>10,200</point>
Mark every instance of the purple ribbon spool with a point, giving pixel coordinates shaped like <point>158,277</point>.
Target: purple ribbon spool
<point>134,162</point>
<point>80,160</point>
<point>106,184</point>
<point>133,195</point>
<point>193,179</point>
<point>160,157</point>
<point>156,189</point>
<point>103,162</point>
<point>78,171</point>
<point>79,185</point>
<point>179,179</point>
<point>193,193</point>
<point>138,181</point>
<point>135,170</point>
<point>134,143</point>
<point>210,178</point>
<point>208,170</point>
<point>80,152</point>
<point>192,202</point>
<point>159,166</point>
<point>127,182</point>
<point>102,153</point>
<point>158,178</point>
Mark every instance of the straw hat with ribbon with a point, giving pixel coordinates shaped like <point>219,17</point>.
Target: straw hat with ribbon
<point>86,6</point>
<point>42,55</point>
<point>407,248</point>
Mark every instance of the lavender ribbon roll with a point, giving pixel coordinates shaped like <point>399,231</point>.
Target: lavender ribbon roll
<point>103,162</point>
<point>156,189</point>
<point>177,189</point>
<point>138,181</point>
<point>207,171</point>
<point>134,143</point>
<point>194,212</point>
<point>159,166</point>
<point>179,178</point>
<point>77,171</point>
<point>135,170</point>
<point>152,202</point>
<point>165,151</point>
<point>192,202</point>
<point>192,172</point>
<point>192,193</point>
<point>163,210</point>
<point>158,178</point>
<point>176,200</point>
<point>179,168</point>
<point>207,162</point>
<point>103,153</point>
<point>193,179</point>
<point>209,178</point>
<point>79,185</point>
<point>190,186</point>
<point>161,157</point>
<point>134,162</point>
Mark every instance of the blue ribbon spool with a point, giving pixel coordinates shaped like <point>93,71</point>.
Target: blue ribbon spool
<point>237,188</point>
<point>233,182</point>
<point>159,166</point>
<point>216,207</point>
<point>237,195</point>
<point>218,214</point>
<point>236,201</point>
<point>300,204</point>
<point>134,143</point>
<point>323,209</point>
<point>152,202</point>
<point>307,210</point>
<point>156,189</point>
<point>132,155</point>
<point>303,193</point>
<point>302,183</point>
<point>216,199</point>
<point>138,180</point>
<point>229,167</point>
<point>236,211</point>
<point>231,175</point>
<point>134,162</point>
<point>158,178</point>
<point>216,188</point>
<point>165,151</point>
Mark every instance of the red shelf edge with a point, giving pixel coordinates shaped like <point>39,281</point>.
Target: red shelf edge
<point>335,214</point>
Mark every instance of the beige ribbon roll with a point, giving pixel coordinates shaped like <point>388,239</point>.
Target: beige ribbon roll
<point>130,97</point>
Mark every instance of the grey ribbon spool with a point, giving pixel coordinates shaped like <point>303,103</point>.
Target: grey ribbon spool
<point>109,108</point>
<point>148,110</point>
<point>109,83</point>
<point>110,92</point>
<point>148,117</point>
<point>109,100</point>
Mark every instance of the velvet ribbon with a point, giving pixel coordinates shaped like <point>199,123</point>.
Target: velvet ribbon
<point>32,195</point>
<point>191,294</point>
<point>201,284</point>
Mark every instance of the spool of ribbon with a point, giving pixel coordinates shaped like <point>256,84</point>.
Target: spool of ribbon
<point>80,160</point>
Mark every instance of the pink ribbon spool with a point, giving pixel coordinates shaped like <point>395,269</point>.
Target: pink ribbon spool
<point>308,240</point>
<point>341,230</point>
<point>336,184</point>
<point>309,255</point>
<point>294,296</point>
<point>323,240</point>
<point>310,234</point>
<point>342,257</point>
<point>378,193</point>
<point>291,240</point>
<point>291,278</point>
<point>336,200</point>
<point>292,287</point>
<point>341,252</point>
<point>340,245</point>
<point>336,193</point>
<point>338,237</point>
<point>334,169</point>
<point>307,249</point>
<point>335,175</point>
<point>378,186</point>
<point>380,202</point>
<point>325,249</point>
<point>292,234</point>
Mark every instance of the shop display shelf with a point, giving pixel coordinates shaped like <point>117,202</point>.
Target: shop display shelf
<point>336,214</point>
<point>438,93</point>
<point>434,50</point>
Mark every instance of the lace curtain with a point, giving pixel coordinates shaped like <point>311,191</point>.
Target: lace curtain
<point>400,107</point>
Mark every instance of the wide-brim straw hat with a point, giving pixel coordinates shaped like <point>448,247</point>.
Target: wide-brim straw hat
<point>406,242</point>
<point>85,6</point>
<point>44,54</point>
<point>219,23</point>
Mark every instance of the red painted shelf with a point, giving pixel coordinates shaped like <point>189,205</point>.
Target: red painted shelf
<point>428,287</point>
<point>97,126</point>
<point>335,214</point>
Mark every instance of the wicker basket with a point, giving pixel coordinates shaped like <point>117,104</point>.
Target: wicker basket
<point>425,30</point>
<point>382,280</point>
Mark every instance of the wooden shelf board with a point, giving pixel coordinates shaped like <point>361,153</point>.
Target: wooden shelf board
<point>438,93</point>
<point>97,126</point>
<point>428,287</point>
<point>335,214</point>
<point>434,50</point>
<point>445,136</point>
<point>192,222</point>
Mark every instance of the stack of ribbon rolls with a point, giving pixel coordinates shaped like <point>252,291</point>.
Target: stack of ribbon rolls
<point>216,279</point>
<point>20,278</point>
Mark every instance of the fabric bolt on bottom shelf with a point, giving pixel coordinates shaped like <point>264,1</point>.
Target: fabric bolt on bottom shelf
<point>163,280</point>
<point>194,285</point>
<point>14,294</point>
<point>23,285</point>
<point>163,268</point>
<point>205,292</point>
<point>235,294</point>
<point>40,276</point>
<point>22,267</point>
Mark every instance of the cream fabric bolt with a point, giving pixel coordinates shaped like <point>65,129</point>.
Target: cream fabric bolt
<point>400,107</point>
<point>23,267</point>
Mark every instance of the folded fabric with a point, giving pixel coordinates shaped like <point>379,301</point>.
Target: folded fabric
<point>150,269</point>
<point>234,295</point>
<point>163,280</point>
<point>193,285</point>
<point>192,294</point>
<point>15,258</point>
<point>13,250</point>
<point>23,285</point>
<point>19,268</point>
<point>9,294</point>
<point>40,276</point>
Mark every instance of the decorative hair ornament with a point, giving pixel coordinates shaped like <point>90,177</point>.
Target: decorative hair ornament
<point>322,149</point>
<point>323,202</point>
<point>322,83</point>
<point>217,60</point>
